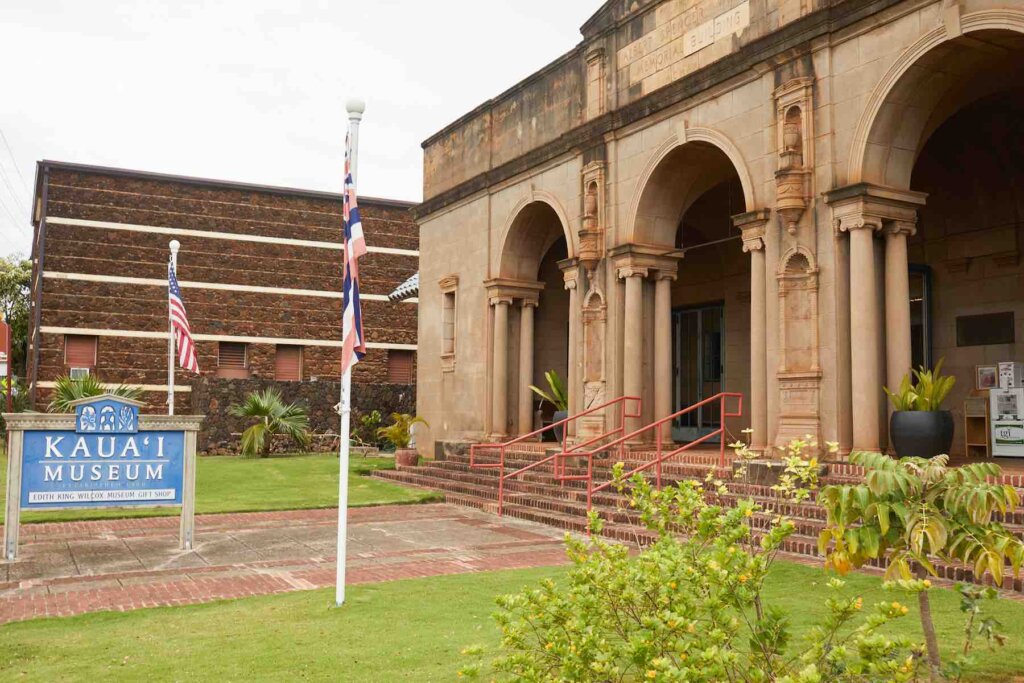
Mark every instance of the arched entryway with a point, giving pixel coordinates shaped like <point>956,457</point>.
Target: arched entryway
<point>940,160</point>
<point>687,268</point>
<point>530,314</point>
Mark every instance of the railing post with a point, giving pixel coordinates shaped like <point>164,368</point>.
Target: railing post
<point>721,436</point>
<point>657,431</point>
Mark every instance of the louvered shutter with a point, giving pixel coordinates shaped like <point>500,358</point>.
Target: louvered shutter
<point>400,364</point>
<point>231,361</point>
<point>288,364</point>
<point>80,351</point>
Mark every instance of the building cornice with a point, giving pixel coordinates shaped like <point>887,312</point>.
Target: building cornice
<point>838,15</point>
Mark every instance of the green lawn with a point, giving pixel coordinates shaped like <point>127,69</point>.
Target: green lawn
<point>228,484</point>
<point>400,631</point>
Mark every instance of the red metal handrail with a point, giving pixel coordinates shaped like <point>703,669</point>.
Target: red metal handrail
<point>660,457</point>
<point>624,414</point>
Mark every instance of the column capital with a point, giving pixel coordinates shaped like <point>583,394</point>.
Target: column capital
<point>631,271</point>
<point>499,300</point>
<point>529,303</point>
<point>665,276</point>
<point>868,206</point>
<point>907,228</point>
<point>508,288</point>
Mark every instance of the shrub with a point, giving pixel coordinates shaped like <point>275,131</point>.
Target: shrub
<point>689,607</point>
<point>926,393</point>
<point>274,416</point>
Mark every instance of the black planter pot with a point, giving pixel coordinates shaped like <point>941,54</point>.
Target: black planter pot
<point>921,434</point>
<point>558,417</point>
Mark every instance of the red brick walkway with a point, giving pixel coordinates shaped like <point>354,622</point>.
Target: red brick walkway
<point>77,567</point>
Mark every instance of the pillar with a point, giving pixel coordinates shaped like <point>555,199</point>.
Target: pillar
<point>574,382</point>
<point>758,344</point>
<point>526,366</point>
<point>897,304</point>
<point>663,351</point>
<point>864,336</point>
<point>633,330</point>
<point>499,404</point>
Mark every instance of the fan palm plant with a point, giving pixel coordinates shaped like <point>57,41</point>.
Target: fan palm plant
<point>273,416</point>
<point>67,390</point>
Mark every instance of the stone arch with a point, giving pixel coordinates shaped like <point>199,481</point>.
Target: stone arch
<point>533,226</point>
<point>694,158</point>
<point>933,78</point>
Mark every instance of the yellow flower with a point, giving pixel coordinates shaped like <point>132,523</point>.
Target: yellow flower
<point>672,585</point>
<point>744,578</point>
<point>903,610</point>
<point>896,606</point>
<point>652,673</point>
<point>748,513</point>
<point>927,583</point>
<point>549,646</point>
<point>859,604</point>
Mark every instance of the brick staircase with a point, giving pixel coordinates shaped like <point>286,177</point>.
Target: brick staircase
<point>536,496</point>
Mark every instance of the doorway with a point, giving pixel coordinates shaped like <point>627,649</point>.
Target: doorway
<point>698,367</point>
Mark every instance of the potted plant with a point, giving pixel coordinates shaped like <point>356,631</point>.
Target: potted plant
<point>557,397</point>
<point>919,427</point>
<point>399,433</point>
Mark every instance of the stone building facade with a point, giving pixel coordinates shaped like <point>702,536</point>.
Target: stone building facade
<point>792,199</point>
<point>260,272</point>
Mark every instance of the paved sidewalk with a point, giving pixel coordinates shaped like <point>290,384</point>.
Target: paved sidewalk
<point>75,567</point>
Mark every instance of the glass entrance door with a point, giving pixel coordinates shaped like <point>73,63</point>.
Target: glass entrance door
<point>698,367</point>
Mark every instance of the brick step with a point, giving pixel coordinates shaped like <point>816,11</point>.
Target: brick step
<point>602,468</point>
<point>569,515</point>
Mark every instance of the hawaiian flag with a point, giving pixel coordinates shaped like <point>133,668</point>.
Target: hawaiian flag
<point>179,323</point>
<point>353,343</point>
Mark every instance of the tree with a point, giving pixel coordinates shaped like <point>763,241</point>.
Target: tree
<point>914,511</point>
<point>66,390</point>
<point>274,416</point>
<point>15,287</point>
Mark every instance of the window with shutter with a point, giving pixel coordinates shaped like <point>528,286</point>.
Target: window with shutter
<point>400,366</point>
<point>288,363</point>
<point>231,361</point>
<point>80,352</point>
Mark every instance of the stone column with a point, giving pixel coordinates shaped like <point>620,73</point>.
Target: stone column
<point>663,351</point>
<point>574,381</point>
<point>758,343</point>
<point>864,335</point>
<point>526,366</point>
<point>897,303</point>
<point>633,328</point>
<point>499,420</point>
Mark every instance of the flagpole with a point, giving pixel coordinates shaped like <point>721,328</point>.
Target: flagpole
<point>355,115</point>
<point>174,245</point>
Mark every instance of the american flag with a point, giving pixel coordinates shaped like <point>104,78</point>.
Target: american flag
<point>179,323</point>
<point>353,343</point>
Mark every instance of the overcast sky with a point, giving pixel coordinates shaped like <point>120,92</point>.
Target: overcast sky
<point>254,90</point>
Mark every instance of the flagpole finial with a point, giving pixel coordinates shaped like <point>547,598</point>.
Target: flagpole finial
<point>175,246</point>
<point>355,108</point>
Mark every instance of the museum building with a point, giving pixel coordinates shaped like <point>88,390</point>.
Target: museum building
<point>260,273</point>
<point>796,200</point>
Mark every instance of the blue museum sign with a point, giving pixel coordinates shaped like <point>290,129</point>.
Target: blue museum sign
<point>104,462</point>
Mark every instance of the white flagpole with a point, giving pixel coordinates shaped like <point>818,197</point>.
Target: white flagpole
<point>175,245</point>
<point>355,114</point>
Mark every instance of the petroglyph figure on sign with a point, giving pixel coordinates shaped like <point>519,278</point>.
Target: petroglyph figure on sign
<point>107,419</point>
<point>126,419</point>
<point>87,420</point>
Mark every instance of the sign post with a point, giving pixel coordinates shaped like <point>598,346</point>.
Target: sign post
<point>103,455</point>
<point>7,362</point>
